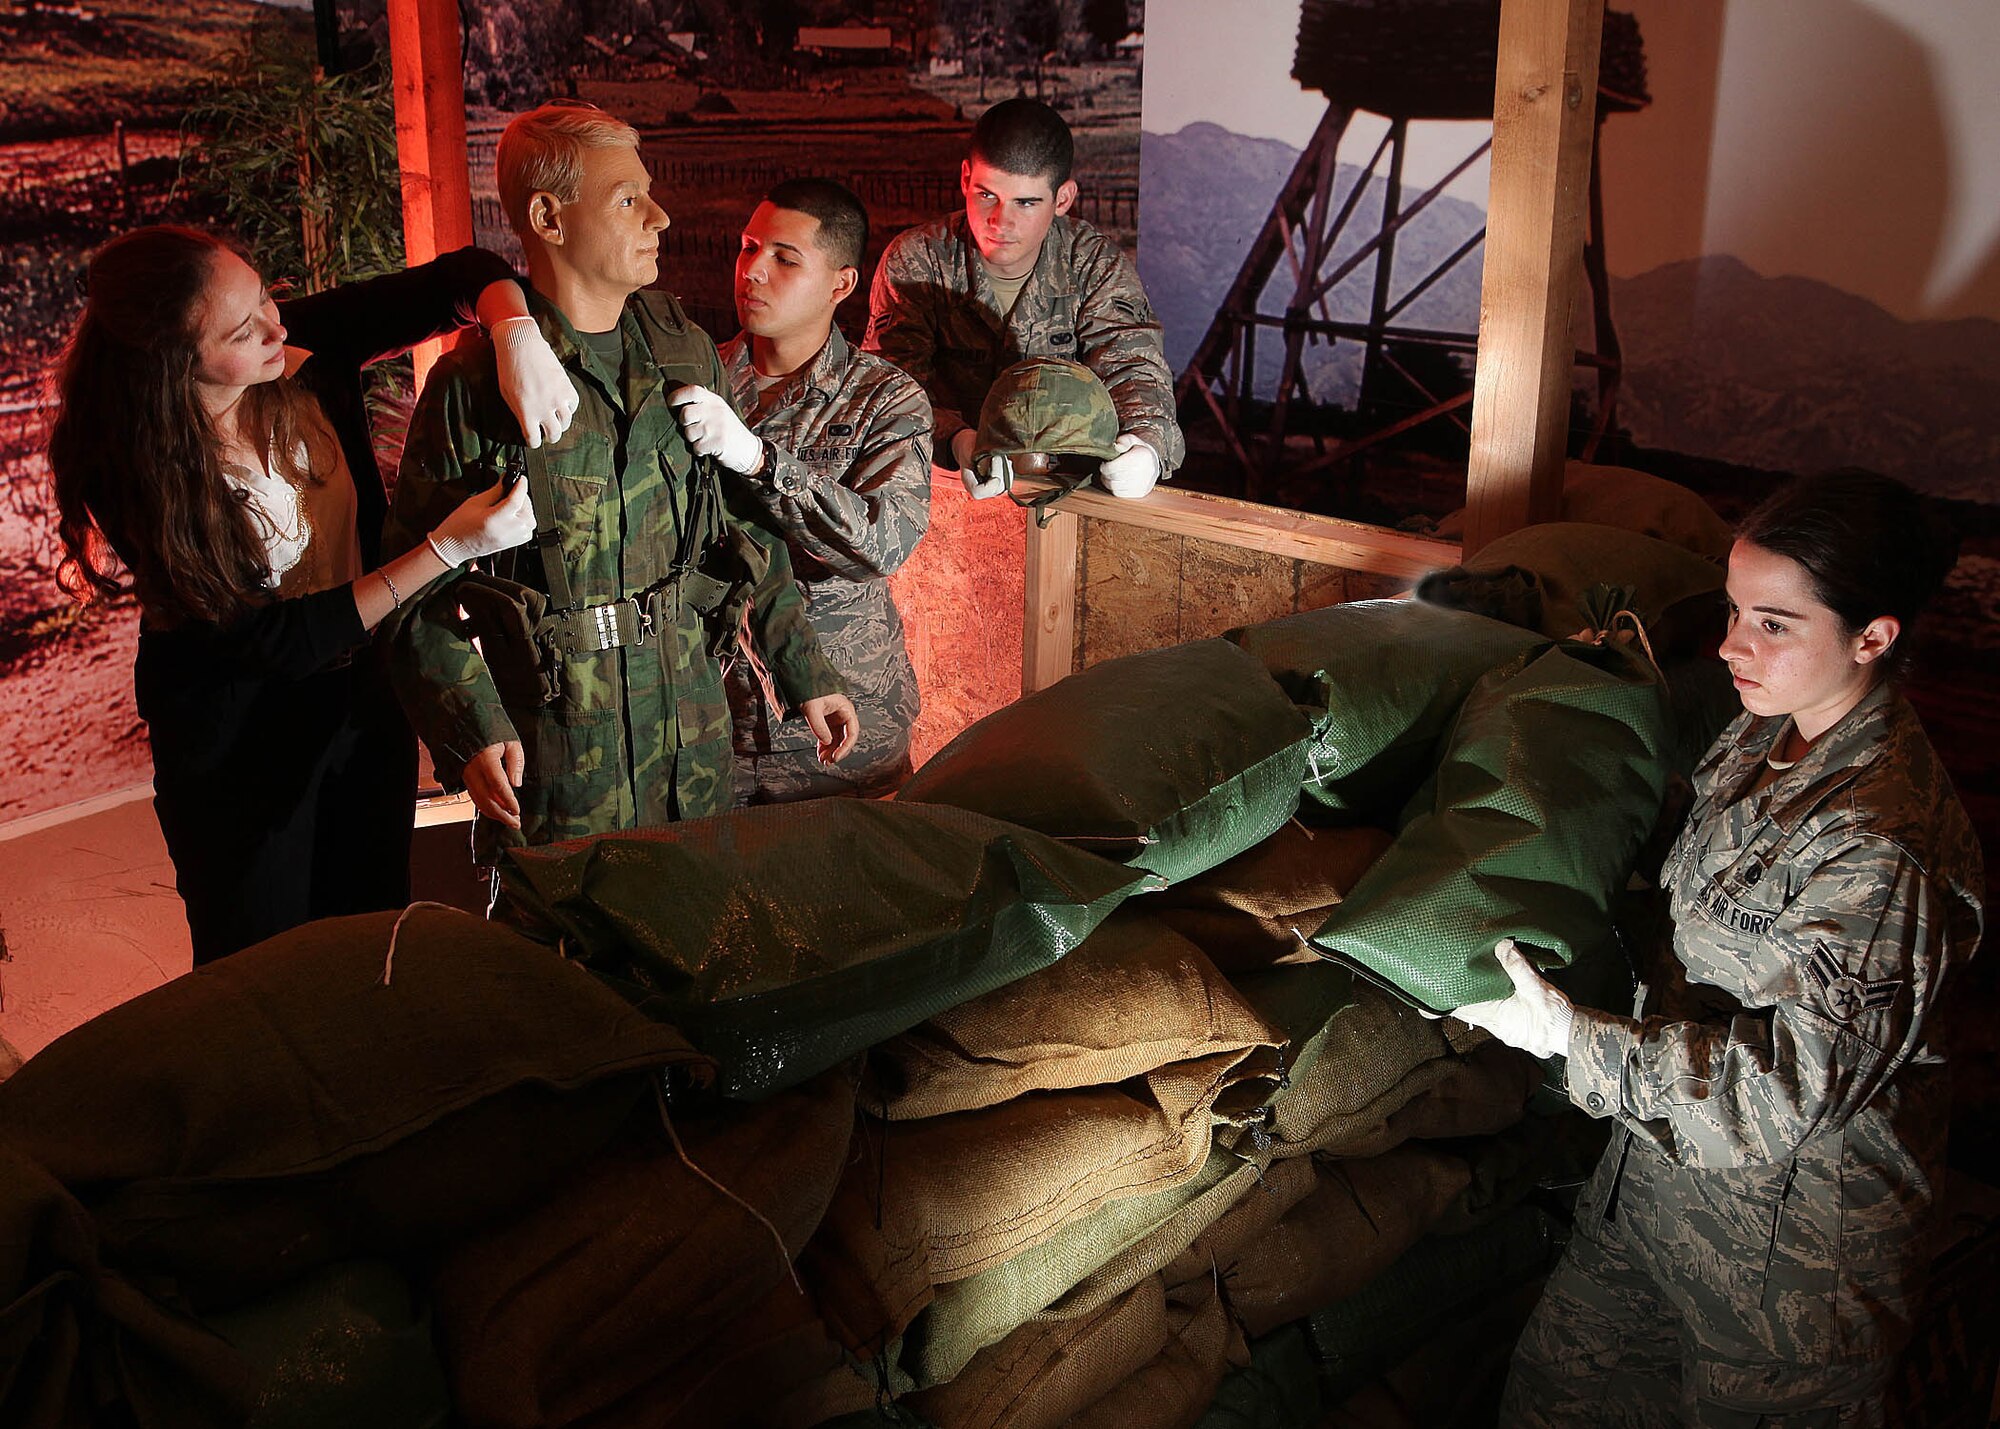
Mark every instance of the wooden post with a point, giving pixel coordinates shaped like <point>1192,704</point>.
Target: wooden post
<point>430,137</point>
<point>1544,106</point>
<point>1048,633</point>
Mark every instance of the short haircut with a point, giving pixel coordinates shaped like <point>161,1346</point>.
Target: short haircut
<point>843,222</point>
<point>1025,137</point>
<point>542,151</point>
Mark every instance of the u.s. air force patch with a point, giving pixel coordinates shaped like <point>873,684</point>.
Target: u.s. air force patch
<point>1845,998</point>
<point>1715,904</point>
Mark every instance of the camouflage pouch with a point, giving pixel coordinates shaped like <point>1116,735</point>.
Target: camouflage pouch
<point>723,584</point>
<point>507,618</point>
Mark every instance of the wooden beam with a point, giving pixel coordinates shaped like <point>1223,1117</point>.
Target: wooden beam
<point>1298,535</point>
<point>1544,105</point>
<point>1048,598</point>
<point>430,136</point>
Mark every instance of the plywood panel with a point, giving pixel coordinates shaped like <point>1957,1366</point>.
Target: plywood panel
<point>960,595</point>
<point>1130,595</point>
<point>1226,586</point>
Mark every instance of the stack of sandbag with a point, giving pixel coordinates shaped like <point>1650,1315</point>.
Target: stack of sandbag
<point>265,1145</point>
<point>991,1132</point>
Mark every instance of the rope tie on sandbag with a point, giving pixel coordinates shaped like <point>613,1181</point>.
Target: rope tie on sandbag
<point>1609,610</point>
<point>660,1096</point>
<point>395,930</point>
<point>1340,1174</point>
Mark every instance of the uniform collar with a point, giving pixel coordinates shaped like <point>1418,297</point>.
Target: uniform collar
<point>824,374</point>
<point>1854,742</point>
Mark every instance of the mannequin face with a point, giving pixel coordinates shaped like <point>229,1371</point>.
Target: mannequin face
<point>239,341</point>
<point>606,242</point>
<point>1787,652</point>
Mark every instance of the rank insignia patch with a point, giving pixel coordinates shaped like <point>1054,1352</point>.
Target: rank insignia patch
<point>1845,998</point>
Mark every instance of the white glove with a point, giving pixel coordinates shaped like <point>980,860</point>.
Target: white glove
<point>713,429</point>
<point>494,520</point>
<point>1134,471</point>
<point>1536,1018</point>
<point>535,385</point>
<point>998,471</point>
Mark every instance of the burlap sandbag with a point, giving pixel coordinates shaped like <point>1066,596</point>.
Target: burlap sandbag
<point>1361,1216</point>
<point>1113,1249</point>
<point>1633,501</point>
<point>1259,908</point>
<point>1174,1390</point>
<point>1432,1284</point>
<point>1676,594</point>
<point>1044,1374</point>
<point>988,1184</point>
<point>1278,1389</point>
<point>1482,1093</point>
<point>1358,1055</point>
<point>286,1107</point>
<point>1133,997</point>
<point>1172,760</point>
<point>1381,681</point>
<point>1217,1248</point>
<point>344,1346</point>
<point>630,1269</point>
<point>868,1264</point>
<point>784,939</point>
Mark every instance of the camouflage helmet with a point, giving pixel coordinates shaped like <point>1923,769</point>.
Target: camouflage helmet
<point>1047,404</point>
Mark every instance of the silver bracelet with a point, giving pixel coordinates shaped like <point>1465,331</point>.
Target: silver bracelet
<point>395,596</point>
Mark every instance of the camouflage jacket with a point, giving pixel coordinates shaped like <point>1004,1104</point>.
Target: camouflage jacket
<point>1786,1107</point>
<point>639,734</point>
<point>933,314</point>
<point>849,485</point>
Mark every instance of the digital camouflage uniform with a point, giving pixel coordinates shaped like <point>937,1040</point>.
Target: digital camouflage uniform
<point>848,482</point>
<point>933,313</point>
<point>640,733</point>
<point>1751,1248</point>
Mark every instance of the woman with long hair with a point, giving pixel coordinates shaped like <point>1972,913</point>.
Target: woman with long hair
<point>1751,1247</point>
<point>211,454</point>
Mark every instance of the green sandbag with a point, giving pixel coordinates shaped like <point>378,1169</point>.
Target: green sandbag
<point>1278,1389</point>
<point>343,1347</point>
<point>1171,760</point>
<point>1381,680</point>
<point>783,939</point>
<point>1549,783</point>
<point>1432,1285</point>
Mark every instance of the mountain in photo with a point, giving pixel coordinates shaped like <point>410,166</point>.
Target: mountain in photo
<point>1791,374</point>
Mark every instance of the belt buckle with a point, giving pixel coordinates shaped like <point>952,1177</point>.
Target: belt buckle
<point>604,619</point>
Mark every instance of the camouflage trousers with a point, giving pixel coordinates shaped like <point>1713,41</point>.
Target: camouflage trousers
<point>877,766</point>
<point>1609,1346</point>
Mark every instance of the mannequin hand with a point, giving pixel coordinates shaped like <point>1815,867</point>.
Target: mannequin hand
<point>495,519</point>
<point>834,723</point>
<point>1536,1018</point>
<point>534,384</point>
<point>491,777</point>
<point>713,429</point>
<point>1134,471</point>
